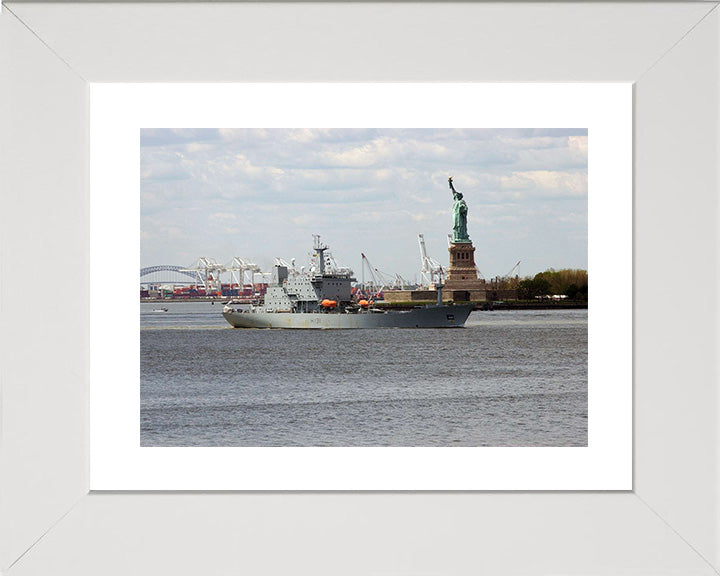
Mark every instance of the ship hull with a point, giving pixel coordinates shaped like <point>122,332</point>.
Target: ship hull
<point>428,317</point>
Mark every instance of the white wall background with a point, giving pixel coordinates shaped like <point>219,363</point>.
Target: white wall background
<point>668,526</point>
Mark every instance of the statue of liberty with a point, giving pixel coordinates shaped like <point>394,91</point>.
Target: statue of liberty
<point>460,210</point>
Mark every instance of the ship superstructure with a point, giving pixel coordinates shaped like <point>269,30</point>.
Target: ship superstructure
<point>296,291</point>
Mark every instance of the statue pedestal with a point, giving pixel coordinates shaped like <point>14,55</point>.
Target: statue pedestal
<point>462,282</point>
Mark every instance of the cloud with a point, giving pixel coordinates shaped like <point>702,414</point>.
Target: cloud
<point>223,216</point>
<point>163,172</point>
<point>383,152</point>
<point>554,183</point>
<point>578,145</point>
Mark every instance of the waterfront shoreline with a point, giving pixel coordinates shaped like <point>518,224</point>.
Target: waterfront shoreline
<point>503,305</point>
<point>487,306</point>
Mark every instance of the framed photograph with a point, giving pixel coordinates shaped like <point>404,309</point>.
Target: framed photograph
<point>643,487</point>
<point>381,449</point>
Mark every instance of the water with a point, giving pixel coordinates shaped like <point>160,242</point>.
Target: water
<point>510,378</point>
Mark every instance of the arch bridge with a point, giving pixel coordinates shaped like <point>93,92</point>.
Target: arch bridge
<point>168,274</point>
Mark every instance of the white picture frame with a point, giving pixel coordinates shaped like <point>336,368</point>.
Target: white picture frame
<point>668,523</point>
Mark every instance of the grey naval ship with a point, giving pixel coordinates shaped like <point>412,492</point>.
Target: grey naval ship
<point>321,299</point>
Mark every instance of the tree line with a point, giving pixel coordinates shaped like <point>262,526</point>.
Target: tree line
<point>568,282</point>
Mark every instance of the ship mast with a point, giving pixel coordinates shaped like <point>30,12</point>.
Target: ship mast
<point>320,248</point>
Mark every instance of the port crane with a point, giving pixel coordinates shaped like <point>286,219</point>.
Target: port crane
<point>508,279</point>
<point>512,272</point>
<point>208,273</point>
<point>238,267</point>
<point>431,270</point>
<point>400,283</point>
<point>394,282</point>
<point>379,281</point>
<point>371,270</point>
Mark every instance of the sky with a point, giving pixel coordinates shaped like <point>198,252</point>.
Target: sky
<point>260,194</point>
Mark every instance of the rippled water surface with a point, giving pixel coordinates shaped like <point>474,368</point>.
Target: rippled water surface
<point>509,378</point>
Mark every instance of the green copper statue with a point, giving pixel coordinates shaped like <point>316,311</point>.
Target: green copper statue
<point>460,210</point>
